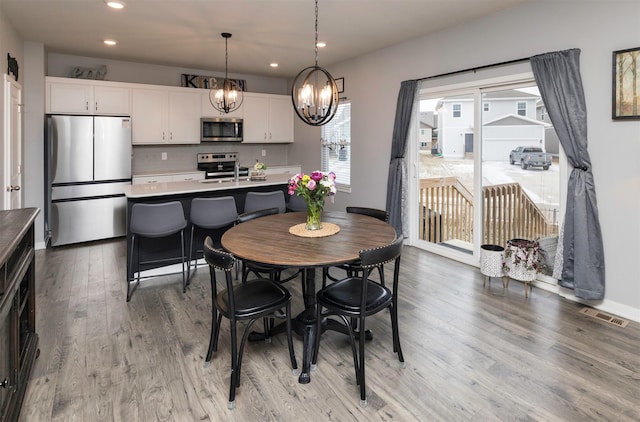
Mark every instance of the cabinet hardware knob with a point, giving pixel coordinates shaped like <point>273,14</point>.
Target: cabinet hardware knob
<point>5,383</point>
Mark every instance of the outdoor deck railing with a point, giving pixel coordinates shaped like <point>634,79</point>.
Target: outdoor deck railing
<point>446,208</point>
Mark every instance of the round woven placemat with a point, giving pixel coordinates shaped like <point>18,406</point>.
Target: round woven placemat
<point>327,229</point>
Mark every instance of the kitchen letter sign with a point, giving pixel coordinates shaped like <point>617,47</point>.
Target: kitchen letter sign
<point>209,82</point>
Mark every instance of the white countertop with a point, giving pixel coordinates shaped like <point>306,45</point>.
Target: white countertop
<point>177,188</point>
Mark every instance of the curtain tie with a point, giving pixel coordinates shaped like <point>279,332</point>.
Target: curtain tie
<point>583,168</point>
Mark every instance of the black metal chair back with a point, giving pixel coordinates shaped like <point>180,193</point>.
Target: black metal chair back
<point>354,298</point>
<point>257,299</point>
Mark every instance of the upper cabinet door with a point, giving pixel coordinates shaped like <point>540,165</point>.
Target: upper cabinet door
<point>69,98</point>
<point>280,119</point>
<point>111,100</point>
<point>149,116</point>
<point>256,119</point>
<point>184,116</point>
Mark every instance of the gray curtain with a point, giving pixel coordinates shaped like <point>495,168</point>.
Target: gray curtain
<point>397,180</point>
<point>558,77</point>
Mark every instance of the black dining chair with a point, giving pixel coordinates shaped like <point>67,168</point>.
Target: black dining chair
<point>353,299</point>
<point>353,268</point>
<point>251,301</point>
<point>262,270</point>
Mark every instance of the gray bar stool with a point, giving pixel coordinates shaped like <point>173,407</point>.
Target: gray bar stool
<point>155,221</point>
<point>209,217</point>
<point>261,200</point>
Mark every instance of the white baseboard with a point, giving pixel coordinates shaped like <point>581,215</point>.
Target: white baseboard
<point>609,306</point>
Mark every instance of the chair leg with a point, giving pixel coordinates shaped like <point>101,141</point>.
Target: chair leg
<point>316,344</point>
<point>184,279</point>
<point>129,280</point>
<point>292,355</point>
<point>363,390</point>
<point>381,272</point>
<point>191,254</point>
<point>234,366</point>
<point>213,341</point>
<point>396,333</point>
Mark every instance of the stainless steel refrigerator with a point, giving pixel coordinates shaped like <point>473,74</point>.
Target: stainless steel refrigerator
<point>87,165</point>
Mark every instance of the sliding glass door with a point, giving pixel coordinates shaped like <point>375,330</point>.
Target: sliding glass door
<point>468,186</point>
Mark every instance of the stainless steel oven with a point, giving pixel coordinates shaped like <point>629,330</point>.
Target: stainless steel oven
<point>220,129</point>
<point>221,166</point>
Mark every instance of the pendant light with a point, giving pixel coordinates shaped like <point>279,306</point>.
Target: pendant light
<point>314,92</point>
<point>226,97</point>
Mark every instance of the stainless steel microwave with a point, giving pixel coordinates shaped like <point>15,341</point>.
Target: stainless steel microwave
<point>220,129</point>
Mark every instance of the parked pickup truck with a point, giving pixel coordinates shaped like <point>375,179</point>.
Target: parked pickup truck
<point>530,157</point>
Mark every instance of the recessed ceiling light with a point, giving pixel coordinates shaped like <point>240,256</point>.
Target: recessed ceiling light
<point>110,42</point>
<point>273,64</point>
<point>115,4</point>
<point>321,44</point>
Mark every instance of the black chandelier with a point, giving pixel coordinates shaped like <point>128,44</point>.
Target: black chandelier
<point>314,92</point>
<point>226,97</point>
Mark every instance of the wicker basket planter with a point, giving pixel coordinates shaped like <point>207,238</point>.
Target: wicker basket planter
<point>522,261</point>
<point>491,263</point>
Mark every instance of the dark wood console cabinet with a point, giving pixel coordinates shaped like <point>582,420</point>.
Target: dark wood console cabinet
<point>18,338</point>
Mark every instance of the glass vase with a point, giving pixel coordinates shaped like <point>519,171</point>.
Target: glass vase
<point>314,214</point>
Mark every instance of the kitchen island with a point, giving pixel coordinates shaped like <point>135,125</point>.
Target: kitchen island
<point>185,192</point>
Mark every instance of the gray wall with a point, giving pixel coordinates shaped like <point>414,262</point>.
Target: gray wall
<point>372,82</point>
<point>598,28</point>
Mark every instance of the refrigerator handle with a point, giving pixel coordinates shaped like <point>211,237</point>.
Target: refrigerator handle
<point>53,151</point>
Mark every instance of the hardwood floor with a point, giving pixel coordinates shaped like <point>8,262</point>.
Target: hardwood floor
<point>472,353</point>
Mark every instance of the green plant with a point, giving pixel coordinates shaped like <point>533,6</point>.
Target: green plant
<point>526,253</point>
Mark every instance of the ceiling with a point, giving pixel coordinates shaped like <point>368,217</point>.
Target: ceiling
<point>186,33</point>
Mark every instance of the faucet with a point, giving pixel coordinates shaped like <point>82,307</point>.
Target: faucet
<point>236,171</point>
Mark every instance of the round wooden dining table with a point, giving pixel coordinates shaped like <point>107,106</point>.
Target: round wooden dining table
<point>267,240</point>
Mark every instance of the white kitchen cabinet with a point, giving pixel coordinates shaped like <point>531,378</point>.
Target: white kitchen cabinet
<point>184,116</point>
<point>158,178</point>
<point>65,95</point>
<point>164,178</point>
<point>209,111</point>
<point>165,116</point>
<point>267,118</point>
<point>111,100</point>
<point>187,177</point>
<point>149,116</point>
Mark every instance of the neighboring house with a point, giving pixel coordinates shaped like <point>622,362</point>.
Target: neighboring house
<point>509,118</point>
<point>508,132</point>
<point>551,140</point>
<point>425,136</point>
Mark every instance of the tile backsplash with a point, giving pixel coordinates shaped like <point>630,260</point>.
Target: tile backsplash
<point>148,158</point>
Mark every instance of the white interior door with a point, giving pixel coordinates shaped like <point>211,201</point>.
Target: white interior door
<point>12,144</point>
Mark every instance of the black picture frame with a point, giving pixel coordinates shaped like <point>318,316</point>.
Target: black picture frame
<point>625,101</point>
<point>340,85</point>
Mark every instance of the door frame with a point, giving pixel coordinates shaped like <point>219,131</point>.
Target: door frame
<point>474,87</point>
<point>11,199</point>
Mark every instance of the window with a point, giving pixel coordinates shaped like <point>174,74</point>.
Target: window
<point>522,108</point>
<point>457,110</point>
<point>336,146</point>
